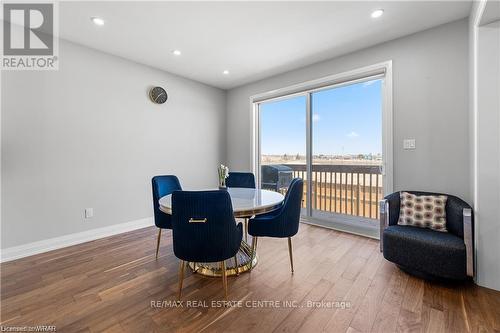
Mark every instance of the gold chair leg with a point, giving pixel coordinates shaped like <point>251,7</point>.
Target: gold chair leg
<point>181,278</point>
<point>254,246</point>
<point>245,226</point>
<point>254,250</point>
<point>290,251</point>
<point>224,278</point>
<point>158,242</point>
<point>236,264</point>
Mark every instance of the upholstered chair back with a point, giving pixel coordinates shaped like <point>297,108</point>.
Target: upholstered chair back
<point>283,222</point>
<point>240,179</point>
<point>454,211</point>
<point>204,228</point>
<point>163,185</point>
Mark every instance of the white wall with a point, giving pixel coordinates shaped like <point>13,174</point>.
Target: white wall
<point>88,136</point>
<point>485,110</point>
<point>488,156</point>
<point>430,78</point>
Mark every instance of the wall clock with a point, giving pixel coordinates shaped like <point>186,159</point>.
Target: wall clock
<point>158,95</point>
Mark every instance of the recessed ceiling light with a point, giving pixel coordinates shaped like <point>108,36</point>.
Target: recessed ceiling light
<point>97,20</point>
<point>176,52</point>
<point>225,72</point>
<point>377,13</point>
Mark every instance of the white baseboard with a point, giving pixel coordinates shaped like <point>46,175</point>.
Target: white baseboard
<point>30,249</point>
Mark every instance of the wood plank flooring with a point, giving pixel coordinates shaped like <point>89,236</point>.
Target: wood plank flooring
<point>108,285</point>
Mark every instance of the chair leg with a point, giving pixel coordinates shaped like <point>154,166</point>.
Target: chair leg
<point>194,267</point>
<point>290,251</point>
<point>245,226</point>
<point>236,264</point>
<point>224,278</point>
<point>158,242</point>
<point>181,278</point>
<point>254,245</point>
<point>254,249</point>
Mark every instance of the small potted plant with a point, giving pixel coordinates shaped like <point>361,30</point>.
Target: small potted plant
<point>223,174</point>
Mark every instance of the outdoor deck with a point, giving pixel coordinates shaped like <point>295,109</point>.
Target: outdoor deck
<point>344,189</point>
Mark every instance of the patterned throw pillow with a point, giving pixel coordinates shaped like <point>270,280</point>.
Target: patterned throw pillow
<point>424,211</point>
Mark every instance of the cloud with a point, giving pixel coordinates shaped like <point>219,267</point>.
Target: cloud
<point>353,135</point>
<point>369,83</point>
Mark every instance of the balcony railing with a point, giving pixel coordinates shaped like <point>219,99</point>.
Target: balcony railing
<point>343,189</point>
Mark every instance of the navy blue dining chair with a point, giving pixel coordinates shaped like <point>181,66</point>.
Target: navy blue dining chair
<point>163,185</point>
<point>204,230</point>
<point>281,223</point>
<point>240,179</point>
<point>244,180</point>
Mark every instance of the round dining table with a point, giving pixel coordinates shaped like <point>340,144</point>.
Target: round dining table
<point>247,202</point>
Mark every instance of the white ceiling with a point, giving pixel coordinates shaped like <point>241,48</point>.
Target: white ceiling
<point>252,40</point>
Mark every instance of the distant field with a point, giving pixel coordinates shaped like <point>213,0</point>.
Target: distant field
<point>275,159</point>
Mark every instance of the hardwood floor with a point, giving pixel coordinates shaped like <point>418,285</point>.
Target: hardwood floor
<point>110,284</point>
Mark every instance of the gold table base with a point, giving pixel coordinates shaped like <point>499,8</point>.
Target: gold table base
<point>246,261</point>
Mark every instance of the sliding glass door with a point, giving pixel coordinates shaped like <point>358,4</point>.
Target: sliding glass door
<point>332,135</point>
<point>283,143</point>
<point>347,151</point>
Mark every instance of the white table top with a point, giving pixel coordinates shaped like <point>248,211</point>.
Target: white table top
<point>246,201</point>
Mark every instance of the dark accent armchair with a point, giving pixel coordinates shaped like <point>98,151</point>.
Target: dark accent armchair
<point>428,253</point>
<point>240,179</point>
<point>162,186</point>
<point>282,223</point>
<point>204,230</point>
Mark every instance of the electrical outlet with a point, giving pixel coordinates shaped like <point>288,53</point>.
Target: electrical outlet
<point>409,144</point>
<point>89,213</point>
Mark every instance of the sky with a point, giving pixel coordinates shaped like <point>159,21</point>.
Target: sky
<point>346,120</point>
